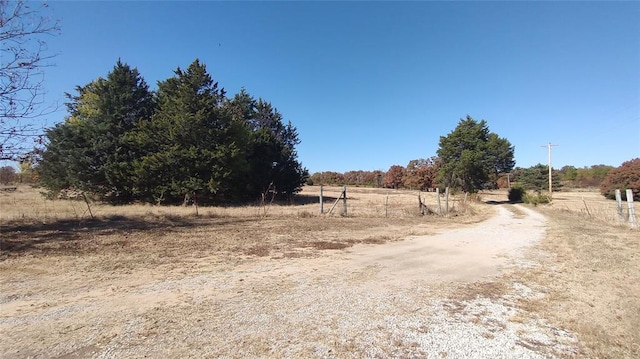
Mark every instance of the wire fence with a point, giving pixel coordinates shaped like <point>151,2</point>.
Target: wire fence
<point>594,206</point>
<point>381,202</point>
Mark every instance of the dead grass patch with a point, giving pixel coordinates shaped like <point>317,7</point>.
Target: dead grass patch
<point>466,292</point>
<point>592,280</point>
<point>295,254</point>
<point>258,251</point>
<point>327,245</point>
<point>379,239</point>
<point>517,212</point>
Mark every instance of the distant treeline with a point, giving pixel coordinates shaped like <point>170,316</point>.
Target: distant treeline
<point>584,177</point>
<point>418,174</point>
<point>421,174</point>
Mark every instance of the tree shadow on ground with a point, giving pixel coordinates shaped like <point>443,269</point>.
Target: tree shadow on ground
<point>304,199</point>
<point>22,238</point>
<point>501,202</point>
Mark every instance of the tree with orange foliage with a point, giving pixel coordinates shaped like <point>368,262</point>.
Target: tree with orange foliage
<point>627,176</point>
<point>393,177</point>
<point>421,173</point>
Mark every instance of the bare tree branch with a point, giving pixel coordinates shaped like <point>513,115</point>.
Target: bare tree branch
<point>23,58</point>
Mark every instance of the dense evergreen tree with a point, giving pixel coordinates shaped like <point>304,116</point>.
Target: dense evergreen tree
<point>120,143</point>
<point>270,155</point>
<point>499,154</point>
<point>186,148</point>
<point>90,151</point>
<point>67,161</point>
<point>472,157</point>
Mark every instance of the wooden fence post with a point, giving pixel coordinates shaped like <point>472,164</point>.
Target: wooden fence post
<point>619,205</point>
<point>438,197</point>
<point>386,206</point>
<point>321,202</point>
<point>632,211</point>
<point>344,201</point>
<point>446,200</point>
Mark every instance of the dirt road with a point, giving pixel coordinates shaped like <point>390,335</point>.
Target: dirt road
<point>427,296</point>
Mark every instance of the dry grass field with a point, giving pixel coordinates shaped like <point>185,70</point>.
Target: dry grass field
<point>32,224</point>
<point>590,270</point>
<point>138,263</point>
<point>593,206</point>
<point>26,205</point>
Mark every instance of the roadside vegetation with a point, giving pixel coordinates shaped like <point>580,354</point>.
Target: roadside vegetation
<point>590,271</point>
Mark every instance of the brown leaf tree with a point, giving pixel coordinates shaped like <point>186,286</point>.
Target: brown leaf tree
<point>421,174</point>
<point>393,177</point>
<point>627,176</point>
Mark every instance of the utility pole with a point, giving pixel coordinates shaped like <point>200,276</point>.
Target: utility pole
<point>549,145</point>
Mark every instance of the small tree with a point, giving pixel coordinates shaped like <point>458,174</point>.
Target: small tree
<point>536,178</point>
<point>7,174</point>
<point>627,176</point>
<point>472,157</point>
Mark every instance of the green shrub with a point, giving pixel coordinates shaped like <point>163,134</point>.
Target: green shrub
<point>536,198</point>
<point>516,194</point>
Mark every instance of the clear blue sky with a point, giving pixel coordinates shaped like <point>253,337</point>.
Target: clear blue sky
<point>373,84</point>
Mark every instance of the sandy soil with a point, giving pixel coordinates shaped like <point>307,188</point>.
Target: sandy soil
<point>427,296</point>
